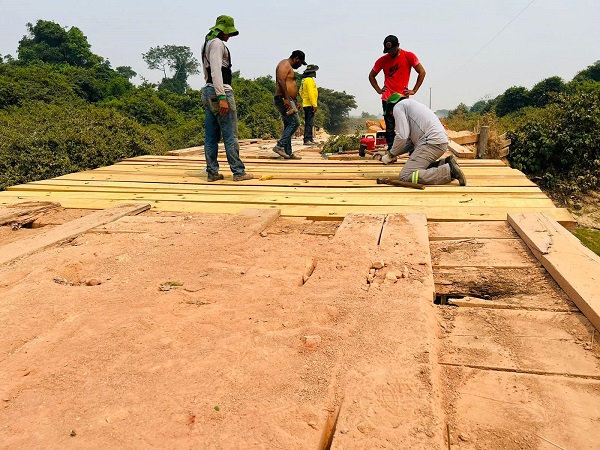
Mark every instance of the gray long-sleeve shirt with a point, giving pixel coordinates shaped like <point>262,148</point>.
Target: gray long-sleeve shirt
<point>416,125</point>
<point>215,56</point>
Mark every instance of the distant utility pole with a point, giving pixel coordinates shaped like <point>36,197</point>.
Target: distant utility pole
<point>429,98</point>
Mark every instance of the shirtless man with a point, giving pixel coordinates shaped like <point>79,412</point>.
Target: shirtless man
<point>286,102</point>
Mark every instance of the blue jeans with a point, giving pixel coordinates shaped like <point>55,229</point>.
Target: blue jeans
<point>290,125</point>
<point>217,126</point>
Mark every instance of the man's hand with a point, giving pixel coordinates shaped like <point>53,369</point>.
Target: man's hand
<point>408,92</point>
<point>378,155</point>
<point>388,159</point>
<point>315,108</point>
<point>286,103</point>
<point>223,106</point>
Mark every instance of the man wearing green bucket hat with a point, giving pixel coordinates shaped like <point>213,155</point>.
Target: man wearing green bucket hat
<point>219,102</point>
<point>420,132</point>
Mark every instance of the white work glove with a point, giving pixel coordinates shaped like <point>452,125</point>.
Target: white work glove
<point>388,159</point>
<point>379,155</point>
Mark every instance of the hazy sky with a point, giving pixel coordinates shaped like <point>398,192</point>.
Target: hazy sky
<point>550,37</point>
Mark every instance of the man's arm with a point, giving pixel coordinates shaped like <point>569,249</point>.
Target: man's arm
<point>421,71</point>
<point>215,59</point>
<point>402,132</point>
<point>374,83</point>
<point>281,74</point>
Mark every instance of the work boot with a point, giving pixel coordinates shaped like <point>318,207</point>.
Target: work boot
<point>455,171</point>
<point>311,142</point>
<point>294,156</point>
<point>214,176</point>
<point>243,177</point>
<point>281,152</point>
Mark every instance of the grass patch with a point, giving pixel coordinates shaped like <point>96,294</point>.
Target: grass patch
<point>590,238</point>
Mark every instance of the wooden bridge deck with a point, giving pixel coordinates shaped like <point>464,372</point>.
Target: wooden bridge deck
<point>313,187</point>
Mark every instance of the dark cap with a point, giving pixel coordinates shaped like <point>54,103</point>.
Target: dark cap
<point>300,55</point>
<point>390,43</point>
<point>311,68</point>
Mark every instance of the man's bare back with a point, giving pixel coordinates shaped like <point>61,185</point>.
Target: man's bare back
<point>286,82</point>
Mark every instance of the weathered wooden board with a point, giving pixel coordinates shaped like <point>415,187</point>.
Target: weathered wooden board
<point>69,230</point>
<point>574,267</point>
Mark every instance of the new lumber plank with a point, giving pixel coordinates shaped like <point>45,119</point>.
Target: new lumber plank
<point>69,230</point>
<point>199,178</point>
<point>460,151</point>
<point>161,160</point>
<point>466,139</point>
<point>186,151</point>
<point>307,198</point>
<point>314,212</point>
<point>130,186</point>
<point>574,267</point>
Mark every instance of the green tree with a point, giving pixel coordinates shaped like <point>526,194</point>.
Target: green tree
<point>461,111</point>
<point>178,60</point>
<point>367,116</point>
<point>512,100</point>
<point>591,73</point>
<point>338,106</point>
<point>126,71</point>
<point>542,93</point>
<point>50,43</point>
<point>478,106</point>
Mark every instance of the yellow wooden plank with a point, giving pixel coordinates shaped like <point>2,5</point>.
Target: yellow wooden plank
<point>284,169</point>
<point>224,187</point>
<point>200,178</point>
<point>302,198</point>
<point>317,212</point>
<point>305,161</point>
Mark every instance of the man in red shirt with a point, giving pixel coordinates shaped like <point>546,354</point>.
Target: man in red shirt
<point>396,65</point>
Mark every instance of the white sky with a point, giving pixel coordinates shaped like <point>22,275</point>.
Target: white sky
<point>551,37</point>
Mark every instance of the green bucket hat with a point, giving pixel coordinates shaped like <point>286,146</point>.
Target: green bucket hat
<point>393,99</point>
<point>225,25</point>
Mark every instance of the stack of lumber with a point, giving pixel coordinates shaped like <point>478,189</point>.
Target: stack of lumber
<point>312,187</point>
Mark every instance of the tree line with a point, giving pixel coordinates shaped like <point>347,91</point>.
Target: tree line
<point>64,108</point>
<point>553,128</point>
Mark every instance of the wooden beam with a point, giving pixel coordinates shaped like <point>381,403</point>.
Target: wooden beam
<point>468,139</point>
<point>259,218</point>
<point>574,267</point>
<point>69,230</point>
<point>483,142</point>
<point>460,151</point>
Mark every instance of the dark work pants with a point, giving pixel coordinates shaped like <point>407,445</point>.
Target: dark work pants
<point>309,123</point>
<point>390,126</point>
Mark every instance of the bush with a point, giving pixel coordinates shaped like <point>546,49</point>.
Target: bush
<point>21,84</point>
<point>342,142</point>
<point>561,144</point>
<point>40,141</point>
<point>145,106</point>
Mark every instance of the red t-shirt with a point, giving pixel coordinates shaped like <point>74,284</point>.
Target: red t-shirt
<point>396,71</point>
